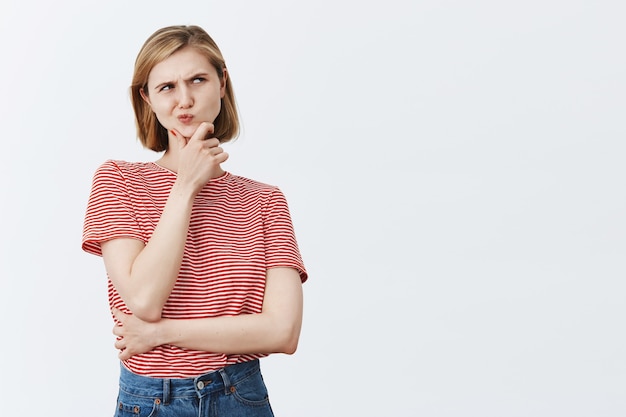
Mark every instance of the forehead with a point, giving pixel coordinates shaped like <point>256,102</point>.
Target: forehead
<point>181,64</point>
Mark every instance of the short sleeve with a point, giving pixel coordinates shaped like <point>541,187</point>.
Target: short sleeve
<point>281,247</point>
<point>110,213</point>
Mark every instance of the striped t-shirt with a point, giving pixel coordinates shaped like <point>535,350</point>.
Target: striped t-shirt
<point>239,228</point>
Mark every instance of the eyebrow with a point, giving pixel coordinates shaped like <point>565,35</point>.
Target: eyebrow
<point>196,75</point>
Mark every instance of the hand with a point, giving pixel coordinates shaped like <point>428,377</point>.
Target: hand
<point>199,156</point>
<point>134,335</point>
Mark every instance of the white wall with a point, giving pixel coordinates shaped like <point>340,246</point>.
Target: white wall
<point>455,172</point>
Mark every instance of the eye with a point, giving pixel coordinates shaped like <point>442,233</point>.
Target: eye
<point>166,87</point>
<point>198,80</point>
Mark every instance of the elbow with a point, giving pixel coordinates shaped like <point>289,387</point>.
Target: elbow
<point>148,317</point>
<point>290,348</point>
<point>147,312</point>
<point>288,340</point>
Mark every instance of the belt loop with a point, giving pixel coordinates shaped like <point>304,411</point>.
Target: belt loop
<point>166,391</point>
<point>225,379</point>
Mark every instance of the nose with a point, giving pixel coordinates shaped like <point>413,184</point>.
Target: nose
<point>185,98</point>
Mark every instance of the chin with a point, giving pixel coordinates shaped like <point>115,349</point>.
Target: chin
<point>187,131</point>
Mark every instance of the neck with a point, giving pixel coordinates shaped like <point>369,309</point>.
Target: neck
<point>169,160</point>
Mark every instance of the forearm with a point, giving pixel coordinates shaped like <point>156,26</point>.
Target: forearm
<point>276,329</point>
<point>250,333</point>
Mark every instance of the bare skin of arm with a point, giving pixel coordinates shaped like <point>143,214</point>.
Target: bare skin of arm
<point>144,275</point>
<point>275,330</point>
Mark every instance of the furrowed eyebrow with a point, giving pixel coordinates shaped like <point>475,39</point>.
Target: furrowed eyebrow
<point>199,74</point>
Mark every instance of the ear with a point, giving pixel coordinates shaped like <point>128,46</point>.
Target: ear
<point>223,82</point>
<point>144,96</point>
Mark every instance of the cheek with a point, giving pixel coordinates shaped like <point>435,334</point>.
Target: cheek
<point>211,108</point>
<point>161,111</point>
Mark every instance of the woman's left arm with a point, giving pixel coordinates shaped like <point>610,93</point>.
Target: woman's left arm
<point>275,330</point>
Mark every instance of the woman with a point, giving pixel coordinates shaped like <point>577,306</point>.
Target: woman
<point>205,275</point>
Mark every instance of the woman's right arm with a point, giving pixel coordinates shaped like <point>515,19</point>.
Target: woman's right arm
<point>144,275</point>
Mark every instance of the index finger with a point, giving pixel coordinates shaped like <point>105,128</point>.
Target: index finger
<point>204,131</point>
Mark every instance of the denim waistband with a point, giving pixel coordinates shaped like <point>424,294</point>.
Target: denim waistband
<point>165,389</point>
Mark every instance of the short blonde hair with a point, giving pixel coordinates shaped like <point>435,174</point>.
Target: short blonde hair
<point>159,46</point>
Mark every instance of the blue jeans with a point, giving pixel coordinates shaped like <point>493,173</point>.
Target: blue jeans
<point>236,390</point>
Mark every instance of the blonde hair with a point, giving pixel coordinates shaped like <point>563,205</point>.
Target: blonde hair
<point>159,46</point>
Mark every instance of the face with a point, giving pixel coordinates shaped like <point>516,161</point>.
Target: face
<point>184,90</point>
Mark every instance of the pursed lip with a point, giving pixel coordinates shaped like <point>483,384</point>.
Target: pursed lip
<point>185,118</point>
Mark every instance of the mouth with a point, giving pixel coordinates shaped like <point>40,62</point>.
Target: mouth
<point>185,118</point>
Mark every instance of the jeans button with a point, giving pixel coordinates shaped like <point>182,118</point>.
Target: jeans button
<point>200,384</point>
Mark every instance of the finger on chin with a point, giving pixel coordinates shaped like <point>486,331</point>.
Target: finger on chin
<point>205,131</point>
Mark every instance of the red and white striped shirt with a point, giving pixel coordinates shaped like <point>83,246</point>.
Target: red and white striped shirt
<point>239,228</point>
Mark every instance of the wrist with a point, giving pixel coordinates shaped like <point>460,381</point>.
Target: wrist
<point>184,191</point>
<point>162,331</point>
